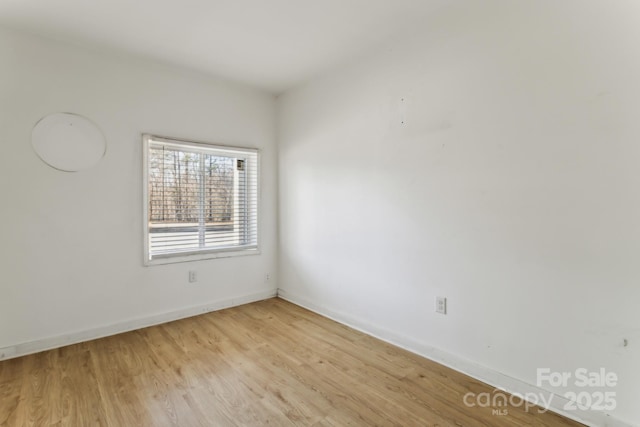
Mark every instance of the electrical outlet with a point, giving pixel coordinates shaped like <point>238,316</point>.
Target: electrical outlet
<point>441,305</point>
<point>267,277</point>
<point>193,276</point>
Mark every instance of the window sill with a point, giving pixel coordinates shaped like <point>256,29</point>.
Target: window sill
<point>178,258</point>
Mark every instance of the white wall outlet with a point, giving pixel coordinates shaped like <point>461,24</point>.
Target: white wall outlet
<point>193,276</point>
<point>267,277</point>
<point>441,305</point>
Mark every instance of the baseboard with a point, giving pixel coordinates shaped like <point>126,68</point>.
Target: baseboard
<point>489,376</point>
<point>36,346</point>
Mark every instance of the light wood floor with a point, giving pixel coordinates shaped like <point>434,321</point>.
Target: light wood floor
<point>268,363</point>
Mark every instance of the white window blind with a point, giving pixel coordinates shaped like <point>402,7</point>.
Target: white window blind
<point>201,199</point>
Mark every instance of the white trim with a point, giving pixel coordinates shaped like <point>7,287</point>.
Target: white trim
<point>475,370</point>
<point>130,325</point>
<point>204,147</point>
<point>202,255</point>
<point>145,198</point>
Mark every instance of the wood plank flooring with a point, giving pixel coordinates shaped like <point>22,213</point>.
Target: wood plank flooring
<point>269,363</point>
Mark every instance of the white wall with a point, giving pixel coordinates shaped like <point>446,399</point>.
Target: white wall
<point>513,189</point>
<point>71,253</point>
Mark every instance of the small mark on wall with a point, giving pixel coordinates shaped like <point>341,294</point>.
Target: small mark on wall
<point>402,110</point>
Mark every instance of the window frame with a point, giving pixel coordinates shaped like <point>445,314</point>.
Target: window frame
<point>204,254</point>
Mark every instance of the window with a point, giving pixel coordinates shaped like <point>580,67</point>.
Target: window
<point>201,200</point>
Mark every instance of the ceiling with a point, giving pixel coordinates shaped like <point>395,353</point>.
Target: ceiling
<point>271,44</point>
